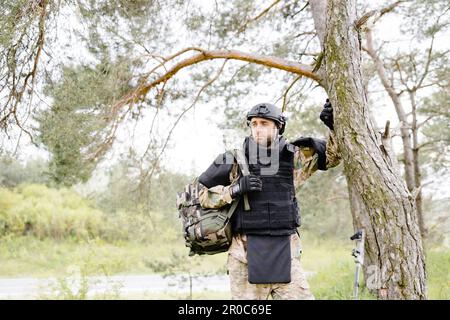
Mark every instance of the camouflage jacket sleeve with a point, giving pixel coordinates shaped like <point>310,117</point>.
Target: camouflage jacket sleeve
<point>218,196</point>
<point>306,160</point>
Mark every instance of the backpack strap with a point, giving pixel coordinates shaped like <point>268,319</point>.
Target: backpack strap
<point>242,162</point>
<point>230,211</point>
<point>240,158</point>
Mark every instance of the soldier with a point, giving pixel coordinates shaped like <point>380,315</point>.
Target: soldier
<point>264,256</point>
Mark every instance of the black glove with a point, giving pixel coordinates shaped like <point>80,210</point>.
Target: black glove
<point>327,115</point>
<point>246,184</point>
<point>319,146</point>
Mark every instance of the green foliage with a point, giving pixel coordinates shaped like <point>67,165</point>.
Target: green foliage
<point>154,199</point>
<point>133,227</point>
<point>43,212</point>
<point>22,37</point>
<point>119,27</point>
<point>423,28</point>
<point>10,24</point>
<point>13,172</point>
<point>178,264</point>
<point>27,255</point>
<point>137,227</point>
<point>304,121</point>
<point>324,205</point>
<point>437,215</point>
<point>62,213</point>
<point>437,130</point>
<point>76,284</point>
<point>76,125</point>
<point>73,287</point>
<point>331,259</point>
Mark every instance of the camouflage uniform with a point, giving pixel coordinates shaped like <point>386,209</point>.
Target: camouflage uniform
<point>305,164</point>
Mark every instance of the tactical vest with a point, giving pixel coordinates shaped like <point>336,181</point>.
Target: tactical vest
<point>274,209</point>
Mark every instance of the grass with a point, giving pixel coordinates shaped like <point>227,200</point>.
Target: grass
<point>28,256</point>
<point>438,266</point>
<point>335,268</point>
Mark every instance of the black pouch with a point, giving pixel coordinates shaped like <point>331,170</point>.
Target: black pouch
<point>269,259</point>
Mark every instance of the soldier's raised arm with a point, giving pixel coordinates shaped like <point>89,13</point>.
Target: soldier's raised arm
<point>314,154</point>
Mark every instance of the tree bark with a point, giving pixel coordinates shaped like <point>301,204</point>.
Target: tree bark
<point>388,212</point>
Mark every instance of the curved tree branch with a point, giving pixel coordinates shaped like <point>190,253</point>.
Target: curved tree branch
<point>205,55</point>
<point>268,61</point>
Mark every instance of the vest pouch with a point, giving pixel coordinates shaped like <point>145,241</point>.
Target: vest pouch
<point>258,218</point>
<point>282,215</point>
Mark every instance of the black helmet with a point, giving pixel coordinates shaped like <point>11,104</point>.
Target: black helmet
<point>268,111</point>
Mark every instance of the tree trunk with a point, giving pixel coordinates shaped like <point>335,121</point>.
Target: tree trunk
<point>394,243</point>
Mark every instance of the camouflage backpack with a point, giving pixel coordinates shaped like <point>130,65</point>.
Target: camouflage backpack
<point>207,231</point>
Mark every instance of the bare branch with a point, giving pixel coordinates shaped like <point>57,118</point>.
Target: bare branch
<point>244,26</point>
<point>431,142</point>
<point>287,91</point>
<point>433,83</point>
<point>376,13</point>
<point>306,33</point>
<point>427,64</point>
<point>148,175</point>
<point>23,42</point>
<point>301,10</point>
<point>381,70</point>
<point>425,121</point>
<point>403,81</point>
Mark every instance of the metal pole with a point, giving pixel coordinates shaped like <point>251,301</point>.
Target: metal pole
<point>356,283</point>
<point>358,253</point>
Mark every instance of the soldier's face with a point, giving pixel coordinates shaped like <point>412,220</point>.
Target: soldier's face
<point>264,131</point>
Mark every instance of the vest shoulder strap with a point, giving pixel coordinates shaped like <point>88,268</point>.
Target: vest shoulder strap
<point>242,163</point>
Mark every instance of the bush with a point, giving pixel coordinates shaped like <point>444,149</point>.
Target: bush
<point>43,212</point>
<point>62,213</point>
<point>137,227</point>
